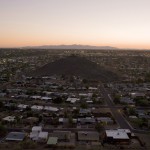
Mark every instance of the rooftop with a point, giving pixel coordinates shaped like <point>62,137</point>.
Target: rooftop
<point>88,136</point>
<point>52,141</point>
<point>15,136</point>
<point>118,134</point>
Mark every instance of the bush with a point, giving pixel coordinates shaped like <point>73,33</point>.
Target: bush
<point>28,145</point>
<point>3,131</point>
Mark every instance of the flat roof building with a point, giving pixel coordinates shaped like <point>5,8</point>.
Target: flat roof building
<point>88,136</point>
<point>118,136</point>
<point>15,136</point>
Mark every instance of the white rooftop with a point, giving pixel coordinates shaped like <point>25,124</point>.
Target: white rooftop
<point>51,108</point>
<point>46,98</point>
<point>72,100</point>
<point>9,118</point>
<point>36,107</point>
<point>22,106</point>
<point>37,128</point>
<point>43,135</point>
<point>36,97</point>
<point>118,134</point>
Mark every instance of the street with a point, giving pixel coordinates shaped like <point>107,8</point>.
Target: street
<point>123,123</point>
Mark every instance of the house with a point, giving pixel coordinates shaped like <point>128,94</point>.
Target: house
<point>9,118</point>
<point>46,98</point>
<point>66,120</point>
<point>47,93</point>
<point>52,141</point>
<point>22,106</point>
<point>37,129</point>
<point>35,97</point>
<point>133,117</point>
<point>36,108</point>
<point>52,109</point>
<point>88,136</point>
<point>87,120</point>
<point>15,136</point>
<point>106,120</point>
<point>137,95</point>
<point>35,132</point>
<point>92,88</point>
<point>127,100</point>
<point>3,94</point>
<point>118,136</point>
<point>72,100</point>
<point>43,136</point>
<point>89,101</point>
<point>105,112</point>
<point>84,111</point>
<point>31,120</point>
<point>85,94</point>
<point>61,135</point>
<point>23,96</point>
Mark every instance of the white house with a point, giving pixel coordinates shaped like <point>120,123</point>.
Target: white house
<point>49,108</point>
<point>72,100</point>
<point>118,136</point>
<point>22,106</point>
<point>9,118</point>
<point>43,136</point>
<point>36,107</point>
<point>34,134</point>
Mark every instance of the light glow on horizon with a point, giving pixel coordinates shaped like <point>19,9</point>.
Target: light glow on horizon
<point>116,23</point>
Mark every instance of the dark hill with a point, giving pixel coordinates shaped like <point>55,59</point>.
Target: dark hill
<point>75,65</point>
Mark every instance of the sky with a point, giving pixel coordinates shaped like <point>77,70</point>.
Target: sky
<point>117,23</point>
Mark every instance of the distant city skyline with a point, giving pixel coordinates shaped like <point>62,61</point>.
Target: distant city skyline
<point>115,23</point>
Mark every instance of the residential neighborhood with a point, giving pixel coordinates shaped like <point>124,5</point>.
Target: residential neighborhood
<point>66,111</point>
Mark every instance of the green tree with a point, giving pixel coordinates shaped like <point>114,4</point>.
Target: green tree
<point>58,100</point>
<point>1,104</point>
<point>99,127</point>
<point>3,131</point>
<point>131,111</point>
<point>117,99</point>
<point>84,105</point>
<point>28,144</point>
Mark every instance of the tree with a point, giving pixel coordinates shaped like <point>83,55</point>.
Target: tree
<point>84,81</point>
<point>131,111</point>
<point>117,99</point>
<point>28,144</point>
<point>58,100</point>
<point>142,102</point>
<point>70,119</point>
<point>28,108</point>
<point>1,104</point>
<point>99,127</point>
<point>40,118</point>
<point>2,131</point>
<point>84,105</point>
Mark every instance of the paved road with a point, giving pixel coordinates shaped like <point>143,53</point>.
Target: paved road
<point>123,123</point>
<point>51,129</point>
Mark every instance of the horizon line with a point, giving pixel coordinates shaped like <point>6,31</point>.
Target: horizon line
<point>40,47</point>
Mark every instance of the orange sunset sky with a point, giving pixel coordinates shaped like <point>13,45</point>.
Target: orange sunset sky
<point>117,23</point>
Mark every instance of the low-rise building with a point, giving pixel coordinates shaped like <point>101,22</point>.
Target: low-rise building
<point>43,136</point>
<point>61,135</point>
<point>15,136</point>
<point>118,136</point>
<point>9,118</point>
<point>88,136</point>
<point>36,108</point>
<point>106,120</point>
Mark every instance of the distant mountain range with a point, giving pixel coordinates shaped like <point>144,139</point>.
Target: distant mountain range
<point>74,46</point>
